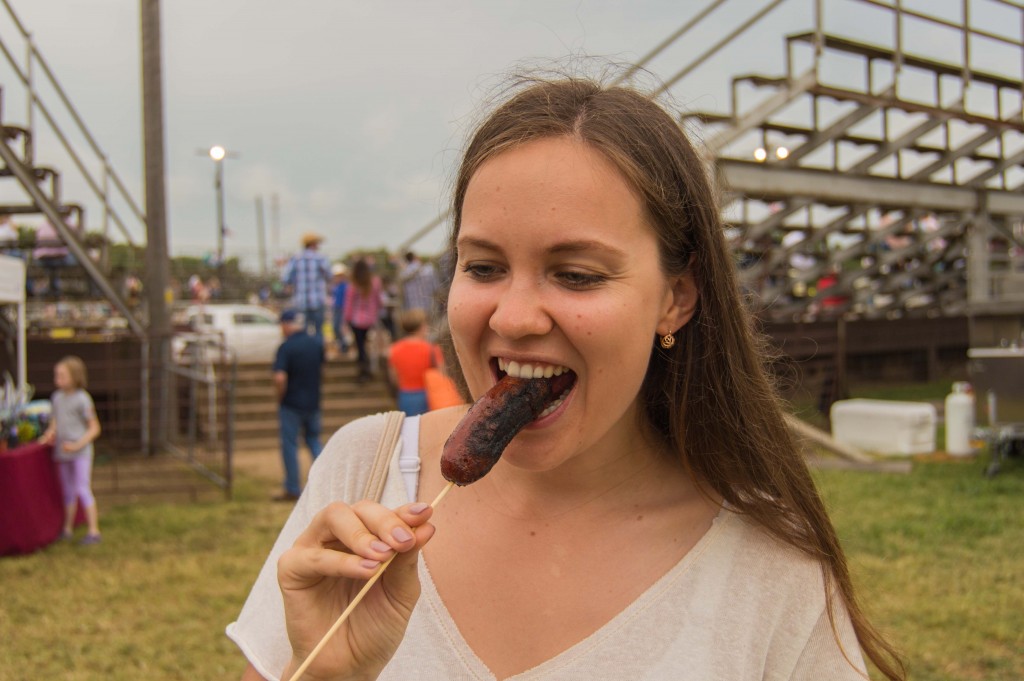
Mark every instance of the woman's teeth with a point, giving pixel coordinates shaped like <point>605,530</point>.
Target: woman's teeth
<point>525,370</point>
<point>553,406</point>
<point>517,370</point>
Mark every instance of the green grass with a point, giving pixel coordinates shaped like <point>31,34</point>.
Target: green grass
<point>150,602</point>
<point>938,555</point>
<point>939,558</point>
<point>909,392</point>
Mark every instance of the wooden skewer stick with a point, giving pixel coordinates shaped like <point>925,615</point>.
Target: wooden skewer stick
<point>355,601</point>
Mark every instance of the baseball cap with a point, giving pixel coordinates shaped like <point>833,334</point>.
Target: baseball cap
<point>289,316</point>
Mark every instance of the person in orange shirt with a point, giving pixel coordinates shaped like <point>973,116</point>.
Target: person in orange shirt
<point>408,361</point>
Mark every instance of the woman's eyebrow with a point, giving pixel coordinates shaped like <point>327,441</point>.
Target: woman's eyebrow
<point>585,245</point>
<point>574,246</point>
<point>477,242</point>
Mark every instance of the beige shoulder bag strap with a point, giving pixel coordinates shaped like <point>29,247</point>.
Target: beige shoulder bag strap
<point>382,460</point>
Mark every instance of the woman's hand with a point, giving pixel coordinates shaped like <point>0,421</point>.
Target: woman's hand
<point>328,565</point>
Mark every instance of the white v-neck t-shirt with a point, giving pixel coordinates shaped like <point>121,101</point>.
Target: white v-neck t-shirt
<point>740,605</point>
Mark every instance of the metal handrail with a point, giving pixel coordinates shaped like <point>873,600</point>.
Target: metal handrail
<point>664,44</point>
<point>34,56</point>
<point>717,47</point>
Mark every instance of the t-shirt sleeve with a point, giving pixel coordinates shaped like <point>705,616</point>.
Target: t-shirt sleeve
<point>259,631</point>
<point>338,474</point>
<point>280,360</point>
<point>86,407</point>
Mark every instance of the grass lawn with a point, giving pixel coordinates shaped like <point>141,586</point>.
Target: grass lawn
<point>938,554</point>
<point>150,602</point>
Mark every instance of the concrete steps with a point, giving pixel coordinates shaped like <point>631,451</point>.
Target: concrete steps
<point>343,399</point>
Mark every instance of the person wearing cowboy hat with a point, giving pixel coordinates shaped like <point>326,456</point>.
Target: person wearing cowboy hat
<point>307,275</point>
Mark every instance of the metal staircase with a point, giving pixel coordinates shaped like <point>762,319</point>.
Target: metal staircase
<point>43,186</point>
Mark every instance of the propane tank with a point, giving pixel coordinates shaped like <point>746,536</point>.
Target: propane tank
<point>959,419</point>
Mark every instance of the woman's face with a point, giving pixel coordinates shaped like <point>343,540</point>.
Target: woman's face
<point>557,267</point>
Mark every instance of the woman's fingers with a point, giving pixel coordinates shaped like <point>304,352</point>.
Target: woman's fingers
<point>337,566</point>
<point>368,534</point>
<point>303,566</point>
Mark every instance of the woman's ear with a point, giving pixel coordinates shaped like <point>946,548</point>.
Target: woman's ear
<point>682,303</point>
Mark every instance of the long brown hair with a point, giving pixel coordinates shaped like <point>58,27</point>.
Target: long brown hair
<point>362,277</point>
<point>710,397</point>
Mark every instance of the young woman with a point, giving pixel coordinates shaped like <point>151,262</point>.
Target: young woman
<point>655,522</point>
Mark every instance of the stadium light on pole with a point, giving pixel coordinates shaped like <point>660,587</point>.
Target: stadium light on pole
<point>218,154</point>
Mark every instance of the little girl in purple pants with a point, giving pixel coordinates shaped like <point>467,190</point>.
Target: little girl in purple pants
<point>72,430</point>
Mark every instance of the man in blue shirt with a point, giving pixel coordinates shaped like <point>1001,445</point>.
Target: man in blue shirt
<point>307,275</point>
<point>297,368</point>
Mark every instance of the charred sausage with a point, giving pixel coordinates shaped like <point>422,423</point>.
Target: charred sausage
<point>481,436</point>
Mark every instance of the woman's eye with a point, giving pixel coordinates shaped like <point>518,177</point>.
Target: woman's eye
<point>580,280</point>
<point>480,271</point>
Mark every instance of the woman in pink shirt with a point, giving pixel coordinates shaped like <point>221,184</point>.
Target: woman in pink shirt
<point>362,310</point>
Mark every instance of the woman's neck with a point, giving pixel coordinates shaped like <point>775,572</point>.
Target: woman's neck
<point>630,477</point>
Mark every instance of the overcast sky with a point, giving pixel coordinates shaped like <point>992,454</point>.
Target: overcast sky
<point>351,113</point>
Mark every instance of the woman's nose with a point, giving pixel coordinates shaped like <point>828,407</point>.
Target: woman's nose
<point>520,311</point>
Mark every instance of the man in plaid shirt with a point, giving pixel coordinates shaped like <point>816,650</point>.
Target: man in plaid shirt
<point>307,275</point>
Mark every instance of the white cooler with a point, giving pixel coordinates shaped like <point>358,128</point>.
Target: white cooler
<point>885,426</point>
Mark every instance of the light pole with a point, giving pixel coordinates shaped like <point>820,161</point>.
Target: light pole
<point>218,153</point>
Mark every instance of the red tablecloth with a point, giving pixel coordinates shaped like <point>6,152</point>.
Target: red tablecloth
<point>31,503</point>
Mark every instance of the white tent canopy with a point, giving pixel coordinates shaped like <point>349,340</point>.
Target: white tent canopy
<point>12,292</point>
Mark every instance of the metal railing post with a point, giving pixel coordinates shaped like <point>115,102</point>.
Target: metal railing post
<point>145,420</point>
<point>966,71</point>
<point>30,83</point>
<point>105,221</point>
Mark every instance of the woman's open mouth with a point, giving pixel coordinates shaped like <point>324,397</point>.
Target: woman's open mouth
<point>561,379</point>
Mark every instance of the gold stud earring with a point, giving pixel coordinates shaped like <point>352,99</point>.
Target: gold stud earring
<point>667,341</point>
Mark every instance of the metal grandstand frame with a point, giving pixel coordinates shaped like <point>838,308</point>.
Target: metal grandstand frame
<point>874,196</point>
<point>877,196</point>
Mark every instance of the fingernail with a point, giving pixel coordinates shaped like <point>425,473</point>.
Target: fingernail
<point>369,564</point>
<point>401,534</point>
<point>378,545</point>
<point>418,508</point>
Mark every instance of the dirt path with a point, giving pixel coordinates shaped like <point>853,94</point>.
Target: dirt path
<point>265,464</point>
